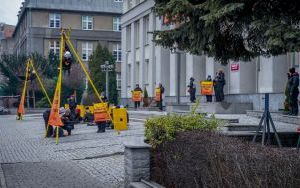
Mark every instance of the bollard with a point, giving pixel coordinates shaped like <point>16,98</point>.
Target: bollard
<point>137,161</point>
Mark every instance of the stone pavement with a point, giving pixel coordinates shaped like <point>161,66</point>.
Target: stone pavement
<point>85,159</point>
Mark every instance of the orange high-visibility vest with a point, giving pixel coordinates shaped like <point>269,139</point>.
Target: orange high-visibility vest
<point>136,96</point>
<point>206,87</point>
<point>100,112</point>
<point>157,94</point>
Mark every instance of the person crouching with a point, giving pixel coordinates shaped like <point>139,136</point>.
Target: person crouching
<point>67,121</point>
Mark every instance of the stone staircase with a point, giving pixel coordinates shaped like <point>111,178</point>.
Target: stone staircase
<point>276,116</point>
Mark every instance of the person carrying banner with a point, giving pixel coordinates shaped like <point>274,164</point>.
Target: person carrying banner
<point>207,88</point>
<point>137,96</point>
<point>100,116</point>
<point>159,91</point>
<point>209,94</point>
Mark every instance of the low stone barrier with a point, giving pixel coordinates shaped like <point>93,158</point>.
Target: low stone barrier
<point>137,161</point>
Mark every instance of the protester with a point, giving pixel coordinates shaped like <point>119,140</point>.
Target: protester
<point>209,97</point>
<point>137,104</point>
<point>219,83</point>
<point>72,106</point>
<point>293,89</point>
<point>161,92</point>
<point>67,121</point>
<point>67,61</point>
<point>46,116</point>
<point>192,90</point>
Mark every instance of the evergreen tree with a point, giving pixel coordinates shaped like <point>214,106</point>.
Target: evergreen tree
<point>98,58</point>
<point>12,67</point>
<point>230,29</point>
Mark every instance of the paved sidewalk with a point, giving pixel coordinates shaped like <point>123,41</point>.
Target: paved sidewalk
<point>85,159</point>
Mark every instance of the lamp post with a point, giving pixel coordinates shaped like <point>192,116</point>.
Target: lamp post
<point>106,67</point>
<point>175,50</point>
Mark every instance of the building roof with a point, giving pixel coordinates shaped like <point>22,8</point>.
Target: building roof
<point>95,6</point>
<point>105,6</point>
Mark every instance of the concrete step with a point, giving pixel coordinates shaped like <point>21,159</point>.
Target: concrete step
<point>276,116</point>
<point>240,127</point>
<point>145,184</point>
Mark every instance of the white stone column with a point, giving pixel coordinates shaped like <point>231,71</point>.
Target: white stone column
<point>124,65</point>
<point>189,68</point>
<point>151,70</point>
<point>158,57</point>
<point>133,81</point>
<point>265,75</point>
<point>142,52</point>
<point>210,67</point>
<point>173,77</point>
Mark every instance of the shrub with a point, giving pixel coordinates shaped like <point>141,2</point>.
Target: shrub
<point>164,128</point>
<point>207,159</point>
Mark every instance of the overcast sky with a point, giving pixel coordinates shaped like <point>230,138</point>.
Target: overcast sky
<point>9,10</point>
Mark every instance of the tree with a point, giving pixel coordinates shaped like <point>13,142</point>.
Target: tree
<point>13,68</point>
<point>98,58</point>
<point>230,29</point>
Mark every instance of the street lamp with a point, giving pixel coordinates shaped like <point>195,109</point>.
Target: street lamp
<point>175,50</point>
<point>106,67</point>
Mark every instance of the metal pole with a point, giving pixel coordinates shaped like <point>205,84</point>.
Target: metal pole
<point>107,85</point>
<point>178,77</point>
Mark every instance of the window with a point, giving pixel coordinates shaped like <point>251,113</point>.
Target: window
<point>146,26</point>
<point>54,20</point>
<point>117,53</point>
<point>119,81</point>
<point>117,24</point>
<point>87,22</point>
<point>118,1</point>
<point>54,46</point>
<point>87,49</point>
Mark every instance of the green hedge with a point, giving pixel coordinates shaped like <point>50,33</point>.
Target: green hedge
<point>164,128</point>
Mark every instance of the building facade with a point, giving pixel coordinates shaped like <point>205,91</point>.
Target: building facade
<point>146,64</point>
<point>6,40</point>
<point>91,22</point>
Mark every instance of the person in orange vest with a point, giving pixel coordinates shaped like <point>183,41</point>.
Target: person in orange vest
<point>137,104</point>
<point>101,118</point>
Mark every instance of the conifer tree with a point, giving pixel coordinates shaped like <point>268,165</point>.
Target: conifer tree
<point>230,29</point>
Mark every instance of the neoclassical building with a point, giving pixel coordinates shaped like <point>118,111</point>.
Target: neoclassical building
<point>146,64</point>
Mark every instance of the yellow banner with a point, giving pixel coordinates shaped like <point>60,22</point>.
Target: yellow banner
<point>206,87</point>
<point>157,94</point>
<point>136,96</point>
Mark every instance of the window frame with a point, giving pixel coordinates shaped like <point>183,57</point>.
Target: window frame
<point>117,24</point>
<point>86,50</point>
<point>56,18</point>
<point>85,21</point>
<point>117,53</point>
<point>119,81</point>
<point>55,47</point>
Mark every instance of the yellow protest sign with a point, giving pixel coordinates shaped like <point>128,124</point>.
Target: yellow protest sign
<point>206,87</point>
<point>136,96</point>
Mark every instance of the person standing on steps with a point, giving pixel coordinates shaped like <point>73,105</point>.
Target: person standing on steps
<point>208,97</point>
<point>293,91</point>
<point>192,90</point>
<point>137,99</point>
<point>159,96</point>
